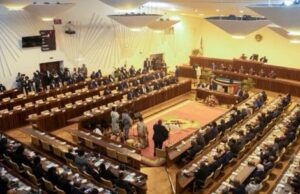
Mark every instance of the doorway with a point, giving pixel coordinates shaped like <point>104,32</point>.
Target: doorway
<point>51,66</point>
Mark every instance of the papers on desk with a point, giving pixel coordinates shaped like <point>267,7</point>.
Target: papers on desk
<point>130,177</point>
<point>98,163</point>
<point>51,165</point>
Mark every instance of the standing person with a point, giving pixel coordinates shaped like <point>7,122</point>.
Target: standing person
<point>84,71</point>
<point>115,121</point>
<point>160,135</point>
<point>142,133</point>
<point>126,123</point>
<point>2,88</point>
<point>198,72</point>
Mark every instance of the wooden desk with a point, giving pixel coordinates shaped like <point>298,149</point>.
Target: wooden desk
<point>46,163</point>
<point>102,144</point>
<point>138,104</point>
<point>223,98</point>
<point>281,71</point>
<point>141,186</point>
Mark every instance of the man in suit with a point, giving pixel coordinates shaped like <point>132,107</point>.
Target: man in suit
<point>37,168</point>
<point>69,155</point>
<point>203,172</point>
<point>160,135</point>
<point>2,88</point>
<point>123,184</point>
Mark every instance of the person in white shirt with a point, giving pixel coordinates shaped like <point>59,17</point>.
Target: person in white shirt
<point>97,130</point>
<point>142,133</point>
<point>198,72</point>
<point>115,121</point>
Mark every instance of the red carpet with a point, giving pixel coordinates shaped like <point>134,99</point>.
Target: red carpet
<point>192,115</point>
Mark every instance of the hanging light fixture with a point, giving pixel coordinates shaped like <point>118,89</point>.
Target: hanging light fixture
<point>238,27</point>
<point>162,24</point>
<point>15,4</point>
<point>125,4</point>
<point>47,11</point>
<point>135,21</point>
<point>286,15</point>
<point>282,32</point>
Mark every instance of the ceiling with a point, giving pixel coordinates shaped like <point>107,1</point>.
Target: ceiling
<point>204,8</point>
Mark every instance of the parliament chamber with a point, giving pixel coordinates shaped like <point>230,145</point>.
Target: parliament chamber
<point>149,97</point>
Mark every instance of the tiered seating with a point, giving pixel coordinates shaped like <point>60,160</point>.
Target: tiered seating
<point>274,146</point>
<point>17,110</point>
<point>233,146</point>
<point>58,147</point>
<point>137,104</point>
<point>245,108</point>
<point>26,170</point>
<point>113,149</point>
<point>287,183</point>
<point>45,120</point>
<point>15,181</point>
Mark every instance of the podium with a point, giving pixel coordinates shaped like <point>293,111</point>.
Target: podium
<point>226,85</point>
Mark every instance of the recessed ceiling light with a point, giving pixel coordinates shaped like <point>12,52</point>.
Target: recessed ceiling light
<point>135,29</point>
<point>238,37</point>
<point>47,19</point>
<point>241,11</point>
<point>217,10</point>
<point>294,33</point>
<point>295,41</point>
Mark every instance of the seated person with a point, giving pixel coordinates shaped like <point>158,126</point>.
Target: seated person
<point>106,91</point>
<point>243,57</point>
<point>237,188</point>
<point>251,71</point>
<point>93,84</point>
<point>272,74</point>
<point>192,151</point>
<point>130,95</point>
<point>98,130</point>
<point>242,69</point>
<point>2,88</point>
<point>69,155</point>
<point>37,168</point>
<point>52,175</point>
<point>253,186</point>
<point>123,184</point>
<point>76,189</point>
<point>19,157</point>
<point>202,85</point>
<point>262,73</point>
<point>203,172</point>
<point>263,59</point>
<point>80,159</point>
<point>3,147</point>
<point>106,173</point>
<point>64,184</point>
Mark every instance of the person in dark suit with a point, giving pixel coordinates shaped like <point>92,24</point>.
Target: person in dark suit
<point>106,173</point>
<point>160,135</point>
<point>203,172</point>
<point>200,140</point>
<point>107,91</point>
<point>2,88</point>
<point>76,188</point>
<point>37,168</point>
<point>123,184</point>
<point>3,147</point>
<point>64,183</point>
<point>52,175</point>
<point>19,157</point>
<point>238,188</point>
<point>69,155</point>
<point>191,152</point>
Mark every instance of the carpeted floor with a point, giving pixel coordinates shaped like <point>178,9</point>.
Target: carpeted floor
<point>182,119</point>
